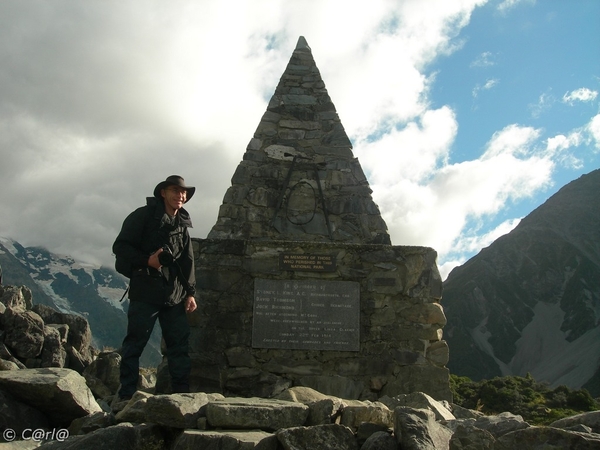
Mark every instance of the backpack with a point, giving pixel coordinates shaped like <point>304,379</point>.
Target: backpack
<point>125,267</point>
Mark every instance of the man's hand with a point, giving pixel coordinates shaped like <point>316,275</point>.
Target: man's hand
<point>190,304</point>
<point>153,260</point>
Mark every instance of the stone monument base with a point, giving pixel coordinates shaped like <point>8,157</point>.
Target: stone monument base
<point>388,302</point>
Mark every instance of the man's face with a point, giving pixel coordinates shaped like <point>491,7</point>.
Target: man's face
<point>174,198</point>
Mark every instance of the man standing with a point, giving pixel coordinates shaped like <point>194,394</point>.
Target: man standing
<point>155,245</point>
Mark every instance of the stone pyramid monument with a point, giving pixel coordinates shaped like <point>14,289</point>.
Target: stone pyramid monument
<point>299,179</point>
<point>298,283</point>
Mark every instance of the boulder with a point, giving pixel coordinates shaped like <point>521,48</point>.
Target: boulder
<point>418,400</point>
<point>323,412</point>
<point>4,351</point>
<point>366,430</point>
<point>102,375</point>
<point>330,437</point>
<point>464,413</point>
<point>248,413</point>
<point>323,409</point>
<point>53,353</point>
<point>76,360</point>
<point>6,355</point>
<point>63,330</point>
<point>61,394</point>
<point>8,365</point>
<point>590,419</point>
<point>121,436</point>
<point>91,422</point>
<point>357,413</point>
<point>542,438</point>
<point>380,440</point>
<point>135,409</point>
<point>416,429</point>
<point>16,297</point>
<point>226,440</point>
<point>471,438</point>
<point>97,387</point>
<point>80,334</point>
<point>18,416</point>
<point>24,333</point>
<point>177,410</point>
<point>501,424</point>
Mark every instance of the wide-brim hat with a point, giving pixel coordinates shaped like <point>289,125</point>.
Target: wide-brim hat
<point>174,180</point>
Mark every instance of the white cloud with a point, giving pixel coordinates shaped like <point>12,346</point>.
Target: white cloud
<point>489,84</point>
<point>412,152</point>
<point>558,145</point>
<point>472,242</point>
<point>544,103</point>
<point>486,59</point>
<point>442,205</point>
<point>507,5</point>
<point>100,103</point>
<point>580,95</point>
<point>594,130</point>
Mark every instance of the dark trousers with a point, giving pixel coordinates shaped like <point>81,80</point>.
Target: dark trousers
<point>141,318</point>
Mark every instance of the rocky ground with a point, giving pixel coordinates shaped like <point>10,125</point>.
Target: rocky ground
<point>52,400</point>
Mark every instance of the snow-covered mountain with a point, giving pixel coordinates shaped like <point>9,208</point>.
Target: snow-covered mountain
<point>530,302</point>
<point>69,286</point>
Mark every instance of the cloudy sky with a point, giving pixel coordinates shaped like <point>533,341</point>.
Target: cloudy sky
<point>465,114</point>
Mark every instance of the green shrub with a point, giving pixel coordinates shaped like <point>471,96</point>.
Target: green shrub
<point>535,402</point>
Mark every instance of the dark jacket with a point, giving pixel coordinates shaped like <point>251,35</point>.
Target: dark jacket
<point>146,230</point>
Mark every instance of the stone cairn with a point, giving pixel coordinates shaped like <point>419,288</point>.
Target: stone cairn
<point>299,180</point>
<point>299,191</point>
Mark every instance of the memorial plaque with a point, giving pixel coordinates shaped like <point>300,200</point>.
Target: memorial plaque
<point>304,262</point>
<point>306,314</point>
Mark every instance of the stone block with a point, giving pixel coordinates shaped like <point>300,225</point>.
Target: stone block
<point>230,440</point>
<point>177,410</point>
<point>330,437</point>
<point>251,413</point>
<point>419,400</point>
<point>24,332</point>
<point>417,428</point>
<point>367,412</point>
<point>438,353</point>
<point>61,394</point>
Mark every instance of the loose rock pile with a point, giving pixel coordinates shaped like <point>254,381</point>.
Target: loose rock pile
<point>81,411</point>
<point>300,418</point>
<point>34,336</point>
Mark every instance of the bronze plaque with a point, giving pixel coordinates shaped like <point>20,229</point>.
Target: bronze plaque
<point>304,262</point>
<point>306,314</point>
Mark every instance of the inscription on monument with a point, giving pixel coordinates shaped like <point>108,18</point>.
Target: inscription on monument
<point>306,314</point>
<point>298,261</point>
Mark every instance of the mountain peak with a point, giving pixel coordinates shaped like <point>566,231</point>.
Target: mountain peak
<point>530,302</point>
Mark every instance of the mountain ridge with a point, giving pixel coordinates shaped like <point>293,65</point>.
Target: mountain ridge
<point>530,302</point>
